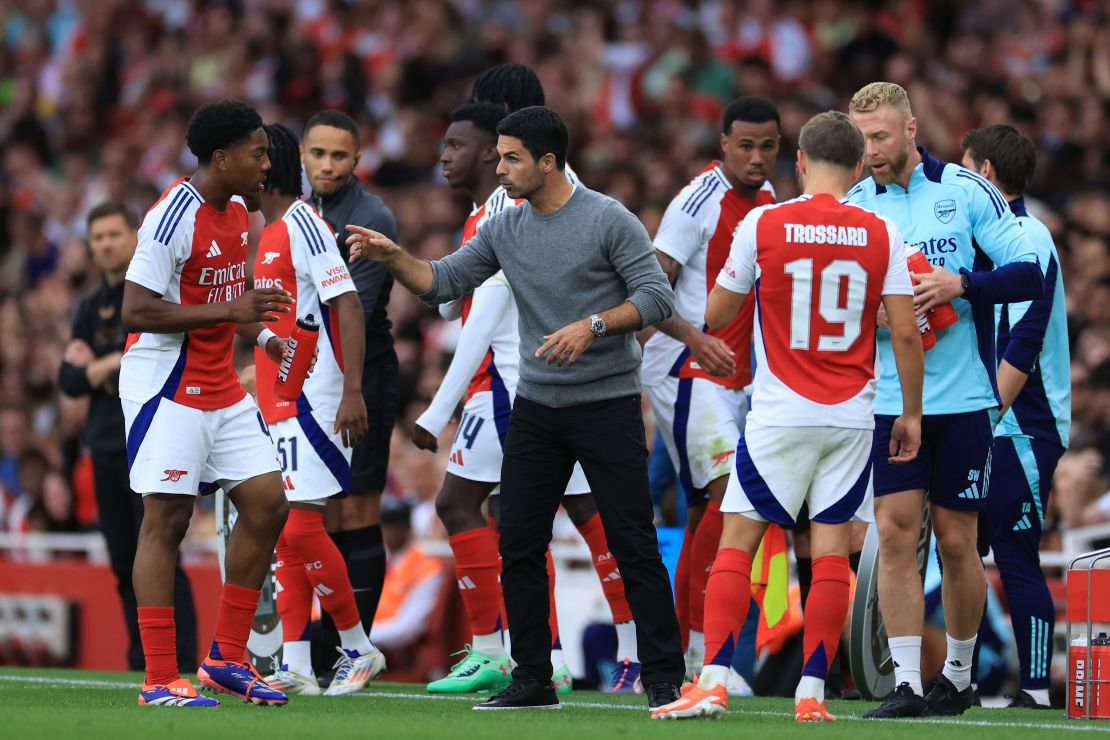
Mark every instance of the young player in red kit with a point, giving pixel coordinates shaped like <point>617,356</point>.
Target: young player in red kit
<point>190,425</point>
<point>694,376</point>
<point>819,270</point>
<point>315,434</point>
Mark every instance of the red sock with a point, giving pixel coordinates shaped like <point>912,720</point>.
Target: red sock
<point>233,622</point>
<point>682,588</point>
<point>294,600</point>
<point>552,617</point>
<point>606,565</point>
<point>824,624</point>
<point>702,552</point>
<point>727,598</point>
<point>478,570</point>
<point>305,533</point>
<point>159,635</point>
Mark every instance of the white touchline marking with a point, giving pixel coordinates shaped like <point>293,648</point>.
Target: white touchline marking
<point>1075,726</point>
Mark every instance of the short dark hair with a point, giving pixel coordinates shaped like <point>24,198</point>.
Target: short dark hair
<point>750,109</point>
<point>1010,152</point>
<point>540,129</point>
<point>112,208</point>
<point>220,125</point>
<point>512,85</point>
<point>335,119</point>
<point>831,137</point>
<point>285,160</point>
<point>483,116</point>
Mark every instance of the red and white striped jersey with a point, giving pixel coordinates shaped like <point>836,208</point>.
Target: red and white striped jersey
<point>819,269</point>
<point>696,232</point>
<point>190,254</point>
<point>298,253</point>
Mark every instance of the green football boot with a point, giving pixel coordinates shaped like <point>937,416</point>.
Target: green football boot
<point>475,672</point>
<point>562,681</point>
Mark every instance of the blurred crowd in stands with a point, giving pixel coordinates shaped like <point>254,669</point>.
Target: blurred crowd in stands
<point>95,96</point>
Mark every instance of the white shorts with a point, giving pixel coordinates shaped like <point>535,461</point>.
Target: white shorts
<point>477,451</point>
<point>178,449</point>
<point>780,468</point>
<point>314,463</point>
<point>700,421</point>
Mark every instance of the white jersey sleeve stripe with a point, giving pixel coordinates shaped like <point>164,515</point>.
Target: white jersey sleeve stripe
<point>311,237</point>
<point>701,188</point>
<point>171,217</point>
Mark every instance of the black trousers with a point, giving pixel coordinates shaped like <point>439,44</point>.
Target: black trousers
<point>121,515</point>
<point>542,444</point>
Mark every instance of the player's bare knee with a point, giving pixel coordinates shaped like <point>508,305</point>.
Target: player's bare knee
<point>956,546</point>
<point>167,522</point>
<point>897,534</point>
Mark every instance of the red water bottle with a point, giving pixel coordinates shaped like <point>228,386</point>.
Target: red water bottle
<point>937,317</point>
<point>1100,677</point>
<point>293,368</point>
<point>1079,675</point>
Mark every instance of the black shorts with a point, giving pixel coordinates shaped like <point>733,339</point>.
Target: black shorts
<point>370,457</point>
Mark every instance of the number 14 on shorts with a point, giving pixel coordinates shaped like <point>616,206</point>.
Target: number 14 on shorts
<point>469,426</point>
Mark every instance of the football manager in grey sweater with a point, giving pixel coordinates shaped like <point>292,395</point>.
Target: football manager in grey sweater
<point>585,277</point>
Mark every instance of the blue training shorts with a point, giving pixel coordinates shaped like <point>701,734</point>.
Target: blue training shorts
<point>953,465</point>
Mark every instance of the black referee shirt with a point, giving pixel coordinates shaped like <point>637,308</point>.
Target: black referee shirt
<point>354,204</point>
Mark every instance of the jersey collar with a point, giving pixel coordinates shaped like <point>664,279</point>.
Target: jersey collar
<point>1017,206</point>
<point>931,169</point>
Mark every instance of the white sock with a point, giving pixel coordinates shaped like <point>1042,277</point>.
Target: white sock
<point>1039,695</point>
<point>297,657</point>
<point>355,638</point>
<point>626,642</point>
<point>489,644</point>
<point>957,664</point>
<point>557,661</point>
<point>810,686</point>
<point>906,653</point>
<point>695,648</point>
<point>713,675</point>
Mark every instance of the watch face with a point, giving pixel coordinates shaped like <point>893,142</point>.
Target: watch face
<point>597,326</point>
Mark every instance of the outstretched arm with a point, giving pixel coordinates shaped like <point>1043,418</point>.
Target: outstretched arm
<point>414,274</point>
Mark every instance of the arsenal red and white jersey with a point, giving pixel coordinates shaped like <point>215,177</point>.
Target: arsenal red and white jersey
<point>819,269</point>
<point>190,254</point>
<point>298,253</point>
<point>696,232</point>
<point>502,361</point>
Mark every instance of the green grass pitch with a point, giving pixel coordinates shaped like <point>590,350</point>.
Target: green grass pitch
<point>65,704</point>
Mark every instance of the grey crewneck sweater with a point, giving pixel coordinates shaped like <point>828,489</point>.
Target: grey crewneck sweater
<point>586,257</point>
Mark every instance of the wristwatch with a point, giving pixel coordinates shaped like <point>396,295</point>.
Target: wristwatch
<point>965,281</point>
<point>597,326</point>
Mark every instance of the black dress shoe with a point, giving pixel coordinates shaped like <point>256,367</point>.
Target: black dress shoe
<point>944,700</point>
<point>525,693</point>
<point>1024,700</point>
<point>901,702</point>
<point>661,694</point>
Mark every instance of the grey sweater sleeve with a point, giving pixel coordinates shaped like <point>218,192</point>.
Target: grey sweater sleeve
<point>457,274</point>
<point>633,256</point>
